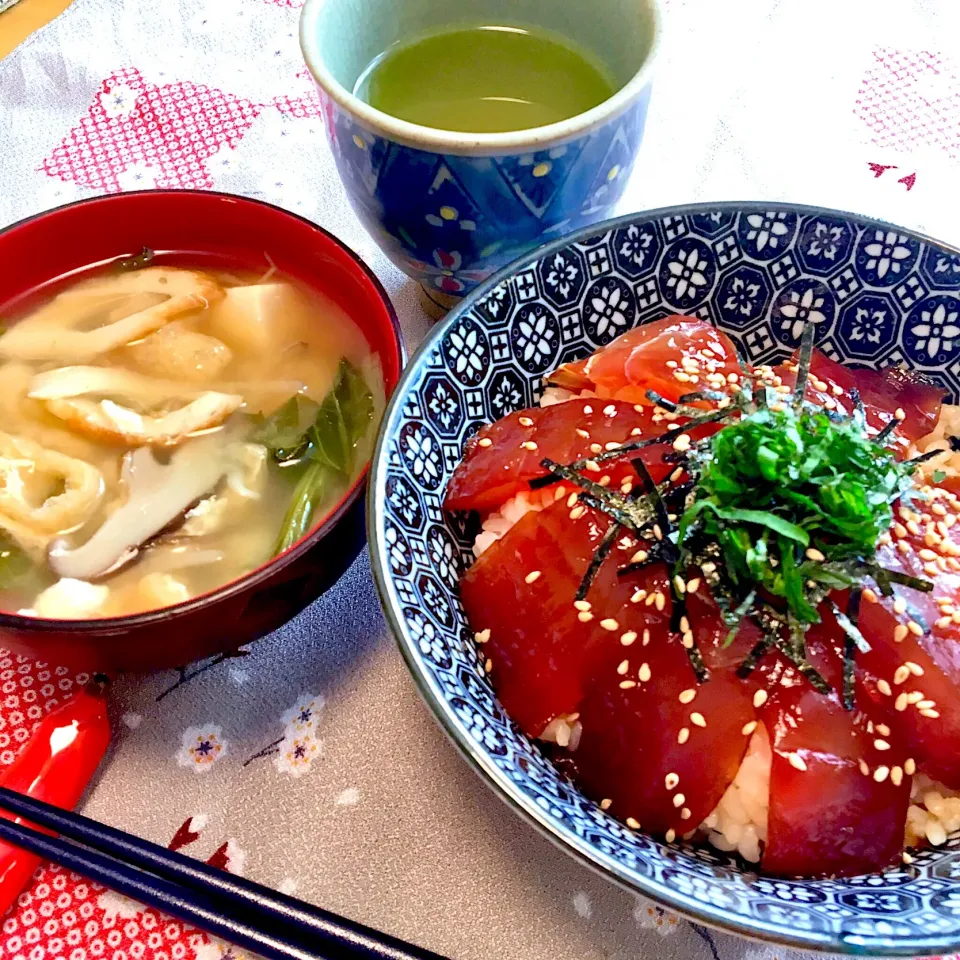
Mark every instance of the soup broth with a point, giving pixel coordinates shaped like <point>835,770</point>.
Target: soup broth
<point>164,431</point>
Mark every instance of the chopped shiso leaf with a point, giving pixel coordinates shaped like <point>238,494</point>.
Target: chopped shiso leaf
<point>939,476</point>
<point>783,492</point>
<point>317,443</point>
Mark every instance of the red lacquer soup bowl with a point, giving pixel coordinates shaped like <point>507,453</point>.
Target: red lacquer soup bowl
<point>217,231</point>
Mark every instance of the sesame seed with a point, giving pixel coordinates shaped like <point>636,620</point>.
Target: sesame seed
<point>681,376</point>
<point>684,625</point>
<point>900,632</point>
<point>582,604</point>
<point>914,668</point>
<point>651,598</point>
<point>636,431</point>
<point>528,445</point>
<point>671,780</point>
<point>939,509</point>
<point>915,696</point>
<point>639,557</point>
<point>796,761</point>
<point>587,409</point>
<point>604,481</point>
<point>646,637</point>
<point>688,695</point>
<point>697,720</point>
<point>586,436</point>
<point>900,704</point>
<point>881,774</point>
<point>485,442</point>
<point>915,628</point>
<point>596,448</point>
<point>881,744</point>
<point>577,512</point>
<point>525,422</point>
<point>943,623</point>
<point>609,624</point>
<point>759,698</point>
<point>584,616</point>
<point>488,666</point>
<point>883,730</point>
<point>884,688</point>
<point>483,636</point>
<point>612,445</point>
<point>623,667</point>
<point>679,799</point>
<point>572,499</point>
<point>930,714</point>
<point>814,554</point>
<point>684,735</point>
<point>638,596</point>
<point>693,585</point>
<point>685,813</point>
<point>687,640</point>
<point>899,529</point>
<point>626,486</point>
<point>645,672</point>
<point>901,674</point>
<point>682,443</point>
<point>676,475</point>
<point>896,776</point>
<point>592,466</point>
<point>627,684</point>
<point>610,410</point>
<point>670,835</point>
<point>606,803</point>
<point>864,769</point>
<point>926,704</point>
<point>913,528</point>
<point>657,532</point>
<point>532,576</point>
<point>931,569</point>
<point>632,824</point>
<point>909,766</point>
<point>661,600</point>
<point>926,554</point>
<point>627,638</point>
<point>900,413</point>
<point>679,584</point>
<point>748,728</point>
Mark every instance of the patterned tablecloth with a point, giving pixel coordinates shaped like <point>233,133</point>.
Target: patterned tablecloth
<point>852,104</point>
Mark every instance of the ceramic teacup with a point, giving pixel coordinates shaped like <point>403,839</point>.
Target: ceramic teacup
<point>451,208</point>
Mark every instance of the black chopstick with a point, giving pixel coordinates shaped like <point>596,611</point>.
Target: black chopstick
<point>232,908</point>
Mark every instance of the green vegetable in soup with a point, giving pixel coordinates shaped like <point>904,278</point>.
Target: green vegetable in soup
<point>318,443</point>
<point>14,562</point>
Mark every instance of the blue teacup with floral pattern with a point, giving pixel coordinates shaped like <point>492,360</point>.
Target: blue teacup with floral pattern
<point>451,208</point>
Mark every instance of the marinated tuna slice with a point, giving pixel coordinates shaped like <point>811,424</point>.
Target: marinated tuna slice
<point>502,459</point>
<point>913,668</point>
<point>519,598</point>
<point>659,746</point>
<point>673,357</point>
<point>885,394</point>
<point>838,789</point>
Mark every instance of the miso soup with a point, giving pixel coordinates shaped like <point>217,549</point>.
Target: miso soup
<point>164,431</point>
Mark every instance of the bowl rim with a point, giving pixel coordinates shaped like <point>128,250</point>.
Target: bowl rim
<point>438,140</point>
<point>692,909</point>
<point>15,621</point>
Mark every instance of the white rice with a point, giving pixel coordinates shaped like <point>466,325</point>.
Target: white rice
<point>739,822</point>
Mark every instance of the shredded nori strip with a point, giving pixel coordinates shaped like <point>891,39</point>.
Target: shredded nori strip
<point>884,434</point>
<point>803,371</point>
<point>678,612</point>
<point>850,645</point>
<point>596,561</point>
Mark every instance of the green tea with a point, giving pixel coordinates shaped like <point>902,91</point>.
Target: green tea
<point>485,79</point>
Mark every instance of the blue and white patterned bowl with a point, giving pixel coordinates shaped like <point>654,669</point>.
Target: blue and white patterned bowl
<point>878,294</point>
